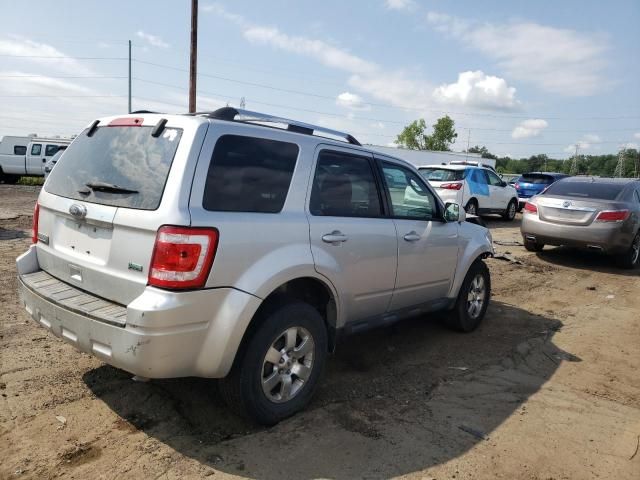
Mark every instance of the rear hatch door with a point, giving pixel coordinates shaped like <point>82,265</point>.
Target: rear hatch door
<point>102,205</point>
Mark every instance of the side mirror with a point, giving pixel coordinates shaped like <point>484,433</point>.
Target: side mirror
<point>453,213</point>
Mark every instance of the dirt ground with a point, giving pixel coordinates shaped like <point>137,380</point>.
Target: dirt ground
<point>547,388</point>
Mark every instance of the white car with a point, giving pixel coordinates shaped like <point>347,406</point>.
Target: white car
<point>479,189</point>
<point>52,162</point>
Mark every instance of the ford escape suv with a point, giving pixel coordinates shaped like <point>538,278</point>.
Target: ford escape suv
<point>240,246</point>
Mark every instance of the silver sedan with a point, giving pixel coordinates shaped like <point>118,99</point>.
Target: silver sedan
<point>601,214</point>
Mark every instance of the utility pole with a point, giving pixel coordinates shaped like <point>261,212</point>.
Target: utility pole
<point>193,62</point>
<point>243,103</point>
<point>129,76</point>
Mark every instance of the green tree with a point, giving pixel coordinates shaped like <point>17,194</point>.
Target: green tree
<point>413,136</point>
<point>484,151</point>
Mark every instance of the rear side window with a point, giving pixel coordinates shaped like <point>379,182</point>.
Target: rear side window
<point>50,150</point>
<point>600,191</point>
<point>344,186</point>
<point>19,150</point>
<point>536,179</point>
<point>128,157</point>
<point>248,174</point>
<point>36,148</point>
<point>442,174</point>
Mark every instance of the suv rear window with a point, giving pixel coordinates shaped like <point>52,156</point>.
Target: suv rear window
<point>601,191</point>
<point>248,174</point>
<point>442,174</point>
<point>536,178</point>
<point>128,157</point>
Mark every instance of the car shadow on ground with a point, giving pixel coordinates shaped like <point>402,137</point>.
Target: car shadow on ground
<point>12,234</point>
<point>584,260</point>
<point>393,401</point>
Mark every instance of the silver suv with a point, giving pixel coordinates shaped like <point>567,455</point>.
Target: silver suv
<point>240,246</point>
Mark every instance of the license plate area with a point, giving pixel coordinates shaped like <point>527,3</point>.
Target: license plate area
<point>82,239</point>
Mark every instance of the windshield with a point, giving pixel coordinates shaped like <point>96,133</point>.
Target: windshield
<point>600,191</point>
<point>126,157</point>
<point>442,174</point>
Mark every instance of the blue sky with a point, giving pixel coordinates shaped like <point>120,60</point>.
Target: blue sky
<point>520,77</point>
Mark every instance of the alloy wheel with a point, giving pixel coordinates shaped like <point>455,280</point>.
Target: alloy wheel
<point>476,296</point>
<point>287,364</point>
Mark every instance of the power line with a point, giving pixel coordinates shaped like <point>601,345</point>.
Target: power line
<point>63,76</point>
<point>61,57</point>
<point>381,105</point>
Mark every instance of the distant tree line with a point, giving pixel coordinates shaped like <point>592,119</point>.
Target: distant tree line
<point>414,137</point>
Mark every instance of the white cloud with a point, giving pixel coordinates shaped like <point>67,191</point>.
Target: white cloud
<point>475,89</point>
<point>399,4</point>
<point>558,60</point>
<point>394,87</point>
<point>351,101</point>
<point>152,40</point>
<point>42,54</point>
<point>587,142</point>
<point>636,135</point>
<point>529,128</point>
<point>327,54</point>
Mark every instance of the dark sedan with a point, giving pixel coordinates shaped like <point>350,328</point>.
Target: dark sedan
<point>600,214</point>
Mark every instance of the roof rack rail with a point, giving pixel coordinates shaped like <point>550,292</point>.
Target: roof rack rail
<point>239,115</point>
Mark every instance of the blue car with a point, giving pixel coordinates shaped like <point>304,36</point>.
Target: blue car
<point>530,184</point>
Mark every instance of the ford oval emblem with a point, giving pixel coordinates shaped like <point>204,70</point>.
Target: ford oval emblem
<point>78,211</point>
<point>566,204</point>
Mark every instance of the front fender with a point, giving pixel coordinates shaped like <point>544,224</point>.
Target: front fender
<point>475,242</point>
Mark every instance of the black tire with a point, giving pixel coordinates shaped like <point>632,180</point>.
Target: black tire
<point>460,318</point>
<point>631,258</point>
<point>242,389</point>
<point>510,213</point>
<point>472,207</point>
<point>532,246</point>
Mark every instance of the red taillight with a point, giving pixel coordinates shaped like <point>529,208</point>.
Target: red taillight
<point>34,225</point>
<point>182,257</point>
<point>530,208</point>
<point>451,186</point>
<point>126,122</point>
<point>517,186</point>
<point>613,216</point>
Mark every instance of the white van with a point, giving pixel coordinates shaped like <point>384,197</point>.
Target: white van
<point>19,158</point>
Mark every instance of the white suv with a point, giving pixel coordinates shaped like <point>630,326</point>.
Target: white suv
<point>215,245</point>
<point>479,189</point>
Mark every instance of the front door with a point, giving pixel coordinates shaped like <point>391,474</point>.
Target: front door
<point>427,245</point>
<point>352,243</point>
<point>498,191</point>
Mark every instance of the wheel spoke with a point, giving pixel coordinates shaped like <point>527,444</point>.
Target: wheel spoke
<point>273,356</point>
<point>302,371</point>
<point>290,338</point>
<point>285,388</point>
<point>270,382</point>
<point>304,348</point>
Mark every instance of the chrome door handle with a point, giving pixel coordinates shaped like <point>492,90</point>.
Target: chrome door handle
<point>412,237</point>
<point>334,237</point>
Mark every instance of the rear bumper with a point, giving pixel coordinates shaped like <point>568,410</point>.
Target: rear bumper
<point>605,237</point>
<point>165,335</point>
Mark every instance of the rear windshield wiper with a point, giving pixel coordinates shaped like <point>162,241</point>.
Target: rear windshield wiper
<point>108,187</point>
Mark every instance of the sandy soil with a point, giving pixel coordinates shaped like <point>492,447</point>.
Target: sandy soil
<point>547,388</point>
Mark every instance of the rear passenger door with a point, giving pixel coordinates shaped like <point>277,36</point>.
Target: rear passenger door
<point>427,245</point>
<point>35,158</point>
<point>352,242</point>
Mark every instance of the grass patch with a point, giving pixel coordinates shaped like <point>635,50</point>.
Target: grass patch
<point>31,181</point>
